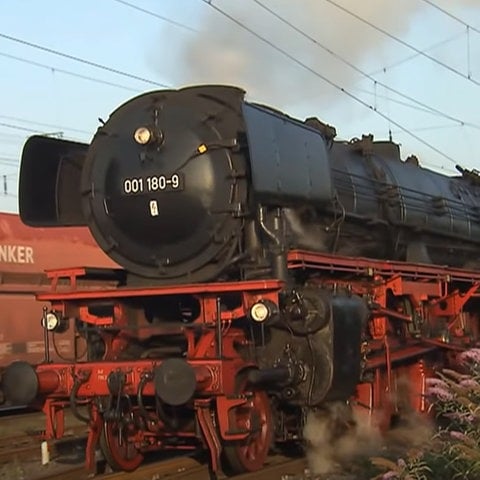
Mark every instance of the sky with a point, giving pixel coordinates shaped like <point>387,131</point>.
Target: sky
<point>408,69</point>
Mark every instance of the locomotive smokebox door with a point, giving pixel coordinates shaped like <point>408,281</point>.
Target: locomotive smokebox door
<point>164,185</point>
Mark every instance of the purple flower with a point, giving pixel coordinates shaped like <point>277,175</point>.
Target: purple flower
<point>401,463</point>
<point>470,356</point>
<point>440,393</point>
<point>390,475</point>
<point>469,383</point>
<point>458,436</point>
<point>436,382</point>
<point>463,417</point>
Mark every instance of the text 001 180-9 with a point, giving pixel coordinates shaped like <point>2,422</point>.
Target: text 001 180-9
<point>153,183</point>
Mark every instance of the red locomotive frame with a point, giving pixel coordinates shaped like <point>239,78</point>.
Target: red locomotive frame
<point>25,253</point>
<point>419,318</point>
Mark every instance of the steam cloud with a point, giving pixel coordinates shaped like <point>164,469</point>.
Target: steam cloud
<point>222,52</point>
<point>331,441</point>
<point>335,437</point>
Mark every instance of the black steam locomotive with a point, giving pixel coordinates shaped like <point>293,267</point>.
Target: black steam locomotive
<point>198,184</point>
<point>268,269</point>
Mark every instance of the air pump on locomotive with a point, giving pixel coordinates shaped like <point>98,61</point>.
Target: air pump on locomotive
<point>268,269</point>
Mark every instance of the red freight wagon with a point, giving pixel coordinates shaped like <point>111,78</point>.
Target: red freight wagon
<point>25,254</point>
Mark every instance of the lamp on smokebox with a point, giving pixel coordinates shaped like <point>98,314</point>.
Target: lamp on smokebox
<point>146,135</point>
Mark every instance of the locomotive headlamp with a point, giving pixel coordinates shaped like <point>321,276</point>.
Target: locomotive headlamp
<point>143,135</point>
<point>260,312</point>
<point>50,321</point>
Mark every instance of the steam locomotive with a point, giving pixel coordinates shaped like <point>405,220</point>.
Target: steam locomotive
<point>268,270</point>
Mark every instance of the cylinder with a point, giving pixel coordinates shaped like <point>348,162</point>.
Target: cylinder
<point>269,376</point>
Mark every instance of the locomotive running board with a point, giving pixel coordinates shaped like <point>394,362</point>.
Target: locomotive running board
<point>361,266</point>
<point>74,293</point>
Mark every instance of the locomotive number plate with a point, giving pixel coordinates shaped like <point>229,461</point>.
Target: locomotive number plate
<point>153,183</point>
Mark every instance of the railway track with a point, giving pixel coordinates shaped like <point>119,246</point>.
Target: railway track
<point>26,445</point>
<point>18,448</point>
<point>187,468</point>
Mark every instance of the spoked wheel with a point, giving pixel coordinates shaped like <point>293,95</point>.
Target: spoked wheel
<point>119,450</point>
<point>250,454</point>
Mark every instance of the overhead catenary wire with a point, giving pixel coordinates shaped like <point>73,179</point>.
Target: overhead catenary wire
<point>36,130</point>
<point>403,42</point>
<point>9,175</point>
<point>10,136</point>
<point>9,161</point>
<point>459,20</point>
<point>359,70</point>
<point>412,106</point>
<point>43,124</point>
<point>432,127</point>
<point>55,69</point>
<point>18,127</point>
<point>412,56</point>
<point>326,79</point>
<point>81,60</point>
<point>469,28</point>
<point>7,157</point>
<point>157,15</point>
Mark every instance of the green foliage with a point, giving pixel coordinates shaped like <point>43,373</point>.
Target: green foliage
<point>453,452</point>
<point>413,467</point>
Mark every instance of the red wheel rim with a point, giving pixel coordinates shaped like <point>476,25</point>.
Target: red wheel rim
<point>119,450</point>
<point>255,416</point>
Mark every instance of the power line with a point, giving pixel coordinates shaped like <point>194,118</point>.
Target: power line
<point>81,60</point>
<point>11,136</point>
<point>399,102</point>
<point>42,124</point>
<point>360,71</point>
<point>66,72</point>
<point>403,42</point>
<point>17,127</point>
<point>415,55</point>
<point>10,165</point>
<point>156,15</point>
<point>326,80</point>
<point>431,128</point>
<point>9,162</point>
<point>31,130</point>
<point>469,28</point>
<point>465,24</point>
